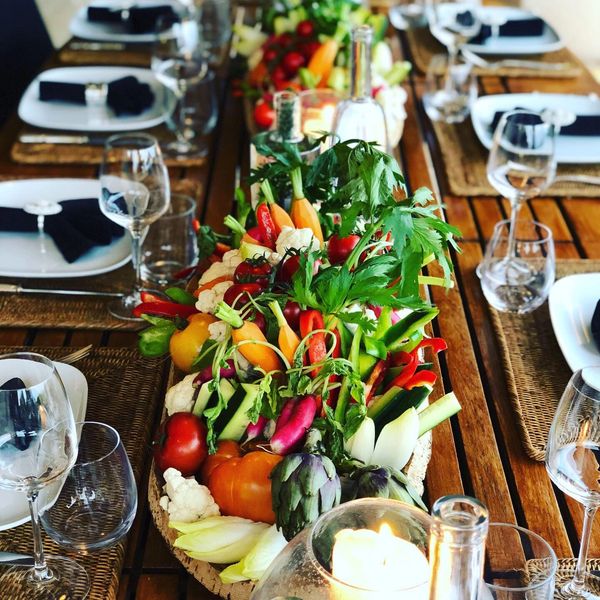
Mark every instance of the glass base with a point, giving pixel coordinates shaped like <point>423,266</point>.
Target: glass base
<point>122,308</point>
<point>185,150</point>
<point>67,579</point>
<point>590,591</point>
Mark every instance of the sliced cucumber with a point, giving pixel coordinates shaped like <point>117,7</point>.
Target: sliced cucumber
<point>237,424</point>
<point>205,394</point>
<point>366,363</point>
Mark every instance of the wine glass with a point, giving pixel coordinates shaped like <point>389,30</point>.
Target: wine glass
<point>572,458</point>
<point>97,504</point>
<point>134,193</point>
<point>178,61</point>
<point>521,164</point>
<point>38,446</point>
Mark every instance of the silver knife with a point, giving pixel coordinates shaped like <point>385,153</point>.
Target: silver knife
<point>97,46</point>
<point>13,559</point>
<point>18,289</point>
<point>49,138</point>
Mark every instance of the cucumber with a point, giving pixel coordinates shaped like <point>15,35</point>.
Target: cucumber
<point>394,402</point>
<point>237,424</point>
<point>366,363</point>
<point>204,395</point>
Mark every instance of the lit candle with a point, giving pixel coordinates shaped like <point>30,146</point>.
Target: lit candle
<point>379,566</point>
<point>318,119</point>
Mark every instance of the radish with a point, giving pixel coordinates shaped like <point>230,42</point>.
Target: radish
<point>255,430</point>
<point>206,374</point>
<point>291,432</point>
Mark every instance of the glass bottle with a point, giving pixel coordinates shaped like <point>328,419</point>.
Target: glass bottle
<point>457,548</point>
<point>361,116</point>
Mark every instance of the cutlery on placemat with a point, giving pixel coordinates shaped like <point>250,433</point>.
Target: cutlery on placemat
<point>72,357</point>
<point>512,63</point>
<point>47,138</point>
<point>17,560</point>
<point>589,179</point>
<point>97,46</point>
<point>17,289</point>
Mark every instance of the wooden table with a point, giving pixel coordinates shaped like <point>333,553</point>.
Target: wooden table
<point>479,452</point>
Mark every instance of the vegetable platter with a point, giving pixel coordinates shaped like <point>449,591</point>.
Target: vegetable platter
<point>308,369</point>
<point>303,44</point>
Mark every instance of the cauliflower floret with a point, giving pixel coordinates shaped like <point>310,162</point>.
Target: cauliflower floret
<point>208,299</point>
<point>219,331</point>
<point>232,259</point>
<point>215,270</point>
<point>186,500</point>
<point>300,239</point>
<point>392,100</point>
<point>242,363</point>
<point>180,397</point>
<point>367,312</point>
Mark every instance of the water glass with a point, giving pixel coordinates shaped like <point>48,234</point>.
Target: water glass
<point>170,245</point>
<point>97,504</point>
<point>521,283</point>
<point>521,565</point>
<point>215,21</point>
<point>450,89</point>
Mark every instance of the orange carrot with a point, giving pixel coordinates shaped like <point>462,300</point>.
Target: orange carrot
<point>322,60</point>
<point>250,240</point>
<point>303,213</point>
<point>288,340</point>
<point>211,284</point>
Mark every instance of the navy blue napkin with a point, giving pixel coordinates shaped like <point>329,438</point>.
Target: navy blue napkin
<point>23,416</point>
<point>140,19</point>
<point>596,326</point>
<point>584,125</point>
<point>126,96</point>
<point>528,27</point>
<point>76,229</point>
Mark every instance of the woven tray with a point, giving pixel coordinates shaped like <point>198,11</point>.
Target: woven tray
<point>125,391</point>
<point>423,46</point>
<point>536,372</point>
<point>564,573</point>
<point>465,161</point>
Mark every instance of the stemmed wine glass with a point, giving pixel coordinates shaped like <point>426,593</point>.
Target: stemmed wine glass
<point>572,457</point>
<point>179,63</point>
<point>521,164</point>
<point>38,446</point>
<point>134,193</point>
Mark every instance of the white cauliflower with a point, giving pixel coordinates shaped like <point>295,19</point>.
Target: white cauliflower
<point>186,500</point>
<point>225,268</point>
<point>232,259</point>
<point>180,397</point>
<point>367,312</point>
<point>300,239</point>
<point>392,100</point>
<point>208,299</point>
<point>219,331</point>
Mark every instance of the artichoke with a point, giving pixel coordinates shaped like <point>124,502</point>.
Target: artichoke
<point>304,486</point>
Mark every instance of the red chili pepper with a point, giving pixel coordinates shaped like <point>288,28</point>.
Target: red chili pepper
<point>265,224</point>
<point>195,225</point>
<point>421,378</point>
<point>164,309</point>
<point>312,320</point>
<point>150,297</point>
<point>436,344</point>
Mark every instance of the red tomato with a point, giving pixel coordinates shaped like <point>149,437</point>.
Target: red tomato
<point>291,312</point>
<point>270,54</point>
<point>242,488</point>
<point>290,266</point>
<point>181,444</point>
<point>309,48</point>
<point>285,39</point>
<point>264,114</point>
<point>339,248</point>
<point>305,28</point>
<point>278,74</point>
<point>291,62</point>
<point>253,271</point>
<point>237,294</point>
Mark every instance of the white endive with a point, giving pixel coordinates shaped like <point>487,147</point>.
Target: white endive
<point>362,443</point>
<point>397,441</point>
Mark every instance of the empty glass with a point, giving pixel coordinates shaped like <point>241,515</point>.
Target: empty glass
<point>98,500</point>
<point>170,245</point>
<point>522,283</point>
<point>215,18</point>
<point>450,89</point>
<point>453,24</point>
<point>572,458</point>
<point>520,565</point>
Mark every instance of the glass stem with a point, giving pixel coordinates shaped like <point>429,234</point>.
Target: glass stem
<point>578,583</point>
<point>136,258</point>
<point>452,60</point>
<point>515,207</point>
<point>40,570</point>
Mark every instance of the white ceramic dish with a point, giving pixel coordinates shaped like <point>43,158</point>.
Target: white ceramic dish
<point>76,117</point>
<point>569,148</point>
<point>572,302</point>
<point>112,32</point>
<point>15,510</point>
<point>21,253</point>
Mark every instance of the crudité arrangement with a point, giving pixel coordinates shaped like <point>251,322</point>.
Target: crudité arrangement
<point>302,44</point>
<point>309,370</point>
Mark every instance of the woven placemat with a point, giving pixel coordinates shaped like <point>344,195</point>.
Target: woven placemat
<point>423,46</point>
<point>536,372</point>
<point>564,573</point>
<point>84,52</point>
<point>125,391</point>
<point>465,160</point>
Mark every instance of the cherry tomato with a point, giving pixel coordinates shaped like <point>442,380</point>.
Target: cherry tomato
<point>264,114</point>
<point>226,449</point>
<point>270,54</point>
<point>305,28</point>
<point>278,75</point>
<point>242,488</point>
<point>339,248</point>
<point>291,312</point>
<point>291,62</point>
<point>253,271</point>
<point>285,39</point>
<point>237,294</point>
<point>181,444</point>
<point>308,49</point>
<point>185,344</point>
<point>260,321</point>
<point>290,266</point>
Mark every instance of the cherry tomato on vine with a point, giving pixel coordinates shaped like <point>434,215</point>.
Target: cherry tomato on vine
<point>339,248</point>
<point>291,62</point>
<point>291,312</point>
<point>305,28</point>
<point>253,271</point>
<point>264,114</point>
<point>269,54</point>
<point>237,294</point>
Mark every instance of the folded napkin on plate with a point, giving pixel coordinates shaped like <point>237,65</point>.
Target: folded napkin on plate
<point>584,125</point>
<point>23,414</point>
<point>76,229</point>
<point>125,95</point>
<point>137,19</point>
<point>527,27</point>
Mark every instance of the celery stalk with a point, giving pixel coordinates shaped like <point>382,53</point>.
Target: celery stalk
<point>437,412</point>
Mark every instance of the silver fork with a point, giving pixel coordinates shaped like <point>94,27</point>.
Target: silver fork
<point>69,359</point>
<point>478,61</point>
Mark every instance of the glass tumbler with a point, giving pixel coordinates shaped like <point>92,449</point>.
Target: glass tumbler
<point>170,245</point>
<point>520,284</point>
<point>98,501</point>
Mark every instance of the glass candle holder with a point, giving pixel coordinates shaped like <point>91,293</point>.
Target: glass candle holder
<point>318,110</point>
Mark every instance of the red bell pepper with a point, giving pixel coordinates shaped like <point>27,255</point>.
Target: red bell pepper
<point>421,378</point>
<point>411,361</point>
<point>150,297</point>
<point>266,225</point>
<point>163,308</point>
<point>436,344</point>
<point>312,320</point>
<point>375,379</point>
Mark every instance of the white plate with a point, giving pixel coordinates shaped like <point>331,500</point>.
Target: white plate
<point>569,148</point>
<point>572,302</point>
<point>112,32</point>
<point>15,510</point>
<point>21,253</point>
<point>78,117</point>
